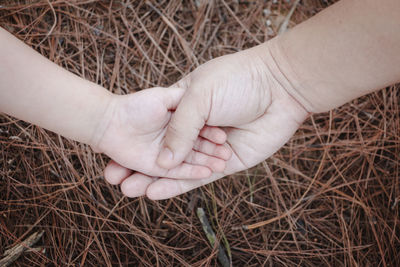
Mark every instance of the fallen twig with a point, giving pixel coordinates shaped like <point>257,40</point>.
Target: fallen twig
<point>222,258</point>
<point>285,22</point>
<point>15,252</point>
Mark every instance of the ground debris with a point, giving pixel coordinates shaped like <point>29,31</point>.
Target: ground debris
<point>223,259</point>
<point>12,254</point>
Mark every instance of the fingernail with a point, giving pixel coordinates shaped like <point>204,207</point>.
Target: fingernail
<point>166,154</point>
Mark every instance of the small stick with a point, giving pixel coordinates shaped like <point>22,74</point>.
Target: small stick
<point>263,223</point>
<point>285,23</point>
<point>15,252</point>
<point>222,258</point>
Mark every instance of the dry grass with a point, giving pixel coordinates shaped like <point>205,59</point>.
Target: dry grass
<point>331,195</point>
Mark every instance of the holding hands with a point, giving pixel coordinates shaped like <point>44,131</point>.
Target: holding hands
<point>133,133</point>
<point>238,93</point>
<point>226,116</point>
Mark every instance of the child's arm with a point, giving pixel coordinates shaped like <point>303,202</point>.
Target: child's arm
<point>128,128</point>
<point>34,89</point>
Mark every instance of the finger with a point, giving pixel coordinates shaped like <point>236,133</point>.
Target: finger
<point>183,129</point>
<point>213,134</point>
<point>136,184</point>
<point>166,188</point>
<point>197,158</point>
<point>209,148</point>
<point>188,171</point>
<point>115,173</point>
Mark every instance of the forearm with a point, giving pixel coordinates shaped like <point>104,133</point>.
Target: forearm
<point>348,50</point>
<point>36,90</point>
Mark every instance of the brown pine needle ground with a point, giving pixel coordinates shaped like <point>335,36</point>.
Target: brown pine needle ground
<point>330,197</point>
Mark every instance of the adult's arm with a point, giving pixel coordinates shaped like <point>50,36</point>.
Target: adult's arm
<point>349,49</point>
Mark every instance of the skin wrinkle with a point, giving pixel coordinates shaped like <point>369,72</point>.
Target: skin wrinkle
<point>96,141</point>
<point>255,75</point>
<point>204,105</point>
<point>263,92</point>
<point>285,77</point>
<point>259,110</point>
<point>209,108</point>
<point>236,154</point>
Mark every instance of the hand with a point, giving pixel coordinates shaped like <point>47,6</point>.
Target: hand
<point>134,129</point>
<point>238,92</point>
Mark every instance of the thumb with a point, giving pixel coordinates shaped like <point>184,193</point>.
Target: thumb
<point>186,122</point>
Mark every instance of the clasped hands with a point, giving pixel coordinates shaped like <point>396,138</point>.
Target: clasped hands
<point>228,115</point>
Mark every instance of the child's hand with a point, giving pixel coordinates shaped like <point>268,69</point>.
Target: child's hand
<point>133,133</point>
<point>238,92</point>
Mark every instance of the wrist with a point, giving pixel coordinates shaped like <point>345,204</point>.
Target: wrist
<point>280,68</point>
<point>102,119</point>
<point>281,76</point>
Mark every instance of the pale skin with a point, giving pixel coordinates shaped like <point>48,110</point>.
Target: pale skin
<point>128,128</point>
<point>260,96</point>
